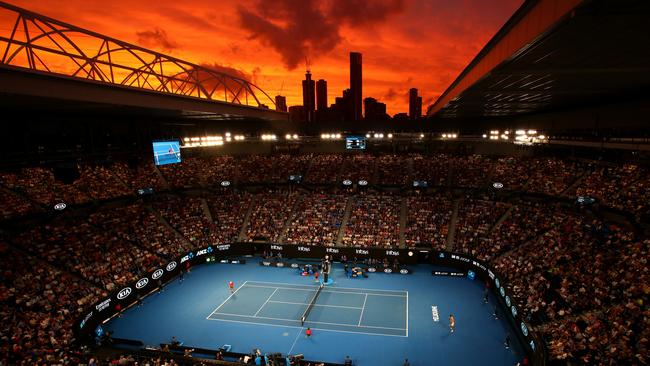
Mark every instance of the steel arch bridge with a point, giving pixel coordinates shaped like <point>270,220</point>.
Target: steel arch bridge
<point>35,42</point>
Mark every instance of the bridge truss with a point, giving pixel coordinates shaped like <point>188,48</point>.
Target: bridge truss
<point>41,44</point>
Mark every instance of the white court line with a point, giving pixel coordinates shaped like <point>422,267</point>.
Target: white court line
<point>226,300</point>
<point>407,313</point>
<point>265,302</point>
<point>328,291</point>
<point>295,340</point>
<point>343,288</point>
<point>302,303</point>
<point>298,327</point>
<point>362,309</point>
<point>309,321</point>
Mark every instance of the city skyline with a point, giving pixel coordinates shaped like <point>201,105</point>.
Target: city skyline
<point>405,43</point>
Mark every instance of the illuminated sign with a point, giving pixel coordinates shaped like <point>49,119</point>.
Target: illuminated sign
<point>225,183</point>
<point>60,206</point>
<point>141,283</point>
<point>157,274</point>
<point>170,267</point>
<point>124,293</point>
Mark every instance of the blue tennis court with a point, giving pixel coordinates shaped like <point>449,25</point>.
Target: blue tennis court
<point>356,310</point>
<point>166,152</point>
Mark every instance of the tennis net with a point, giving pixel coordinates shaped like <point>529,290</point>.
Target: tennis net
<point>304,316</point>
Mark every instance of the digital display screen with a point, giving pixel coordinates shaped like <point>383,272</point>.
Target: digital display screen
<point>166,152</point>
<point>355,142</point>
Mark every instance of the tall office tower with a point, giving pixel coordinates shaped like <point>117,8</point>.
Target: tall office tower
<point>415,104</point>
<point>356,85</point>
<point>308,97</point>
<point>280,103</point>
<point>321,95</point>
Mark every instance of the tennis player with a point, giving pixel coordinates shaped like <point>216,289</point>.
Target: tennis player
<point>231,285</point>
<point>452,323</point>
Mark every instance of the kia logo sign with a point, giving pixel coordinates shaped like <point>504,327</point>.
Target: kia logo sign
<point>371,269</point>
<point>388,270</point>
<point>363,182</point>
<point>124,293</point>
<point>225,183</point>
<point>157,274</point>
<point>142,283</point>
<point>404,271</point>
<point>347,182</point>
<point>497,185</point>
<point>170,267</point>
<point>60,206</point>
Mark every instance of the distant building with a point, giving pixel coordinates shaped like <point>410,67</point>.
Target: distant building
<point>308,97</point>
<point>321,95</point>
<point>415,104</point>
<point>280,103</point>
<point>400,117</point>
<point>375,111</point>
<point>297,113</point>
<point>356,86</point>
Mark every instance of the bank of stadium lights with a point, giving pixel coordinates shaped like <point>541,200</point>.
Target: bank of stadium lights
<point>269,137</point>
<point>449,135</point>
<point>330,136</point>
<point>291,137</point>
<point>529,137</point>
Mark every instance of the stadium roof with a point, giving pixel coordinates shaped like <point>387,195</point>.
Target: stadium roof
<point>555,54</point>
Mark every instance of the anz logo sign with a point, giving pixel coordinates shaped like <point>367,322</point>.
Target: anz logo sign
<point>304,249</point>
<point>276,247</point>
<point>362,251</point>
<point>142,283</point>
<point>331,250</point>
<point>392,252</point>
<point>124,293</point>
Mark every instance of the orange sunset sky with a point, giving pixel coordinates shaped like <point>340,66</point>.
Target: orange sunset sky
<point>405,43</point>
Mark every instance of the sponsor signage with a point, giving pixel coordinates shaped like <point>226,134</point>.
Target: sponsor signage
<point>448,273</point>
<point>124,293</point>
<point>171,266</point>
<point>157,274</point>
<point>141,283</point>
<point>60,206</point>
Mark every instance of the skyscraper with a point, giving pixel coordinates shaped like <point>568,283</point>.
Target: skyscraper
<point>415,104</point>
<point>356,86</point>
<point>280,103</point>
<point>375,110</point>
<point>308,97</point>
<point>321,95</point>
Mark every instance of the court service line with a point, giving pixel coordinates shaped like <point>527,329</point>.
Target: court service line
<point>298,327</point>
<point>302,303</point>
<point>310,321</point>
<point>362,309</point>
<point>226,300</point>
<point>343,288</point>
<point>265,302</point>
<point>329,291</point>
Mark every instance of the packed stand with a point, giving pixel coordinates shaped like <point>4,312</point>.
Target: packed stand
<point>40,185</point>
<point>100,183</point>
<point>99,257</point>
<point>471,171</point>
<point>188,215</point>
<point>525,221</point>
<point>434,169</point>
<point>38,305</point>
<point>186,174</point>
<point>427,221</point>
<point>13,205</point>
<point>552,176</point>
<point>285,165</point>
<point>255,169</point>
<point>137,224</point>
<point>584,284</point>
<point>324,169</point>
<point>512,172</point>
<point>374,221</point>
<point>228,213</point>
<point>220,168</point>
<point>143,175</point>
<point>359,167</point>
<point>318,220</point>
<point>269,214</point>
<point>474,220</point>
<point>392,169</point>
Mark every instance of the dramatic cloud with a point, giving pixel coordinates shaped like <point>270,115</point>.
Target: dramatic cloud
<point>227,70</point>
<point>297,29</point>
<point>156,39</point>
<point>307,29</point>
<point>357,13</point>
